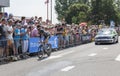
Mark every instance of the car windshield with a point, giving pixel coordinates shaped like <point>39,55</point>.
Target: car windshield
<point>105,32</point>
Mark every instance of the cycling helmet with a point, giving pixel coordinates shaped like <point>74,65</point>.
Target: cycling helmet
<point>41,31</point>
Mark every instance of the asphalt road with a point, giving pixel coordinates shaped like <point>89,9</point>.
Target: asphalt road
<point>84,60</point>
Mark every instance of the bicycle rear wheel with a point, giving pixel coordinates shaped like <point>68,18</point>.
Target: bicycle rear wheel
<point>40,53</point>
<point>49,50</point>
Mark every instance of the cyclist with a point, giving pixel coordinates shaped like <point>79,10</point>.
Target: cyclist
<point>44,37</point>
<point>43,34</point>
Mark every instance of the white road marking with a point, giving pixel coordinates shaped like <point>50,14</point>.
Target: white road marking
<point>54,57</point>
<point>60,55</point>
<point>93,54</point>
<point>67,68</point>
<point>118,58</point>
<point>66,53</point>
<point>105,48</point>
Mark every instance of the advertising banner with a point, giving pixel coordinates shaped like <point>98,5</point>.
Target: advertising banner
<point>54,42</point>
<point>86,38</point>
<point>34,43</point>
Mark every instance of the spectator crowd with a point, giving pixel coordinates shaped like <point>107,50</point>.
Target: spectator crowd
<point>16,32</point>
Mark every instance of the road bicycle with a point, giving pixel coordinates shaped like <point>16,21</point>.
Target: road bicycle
<point>44,48</point>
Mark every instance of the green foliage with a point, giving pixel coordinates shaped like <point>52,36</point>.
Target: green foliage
<point>74,19</point>
<point>62,6</point>
<point>82,17</point>
<point>103,10</point>
<point>76,11</point>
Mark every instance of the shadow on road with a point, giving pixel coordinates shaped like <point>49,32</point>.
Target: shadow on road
<point>107,44</point>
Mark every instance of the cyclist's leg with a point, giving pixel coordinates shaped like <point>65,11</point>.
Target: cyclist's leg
<point>41,51</point>
<point>47,48</point>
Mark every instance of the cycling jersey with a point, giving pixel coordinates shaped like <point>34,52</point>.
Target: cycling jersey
<point>44,34</point>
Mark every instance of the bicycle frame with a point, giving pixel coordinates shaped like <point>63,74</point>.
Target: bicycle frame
<point>43,49</point>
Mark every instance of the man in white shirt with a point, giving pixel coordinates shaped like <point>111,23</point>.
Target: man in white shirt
<point>9,36</point>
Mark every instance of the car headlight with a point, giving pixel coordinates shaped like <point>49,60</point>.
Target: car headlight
<point>111,37</point>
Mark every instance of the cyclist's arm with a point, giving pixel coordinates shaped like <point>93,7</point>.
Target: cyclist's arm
<point>47,37</point>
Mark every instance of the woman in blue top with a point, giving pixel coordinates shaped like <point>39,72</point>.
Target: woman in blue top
<point>17,37</point>
<point>24,36</point>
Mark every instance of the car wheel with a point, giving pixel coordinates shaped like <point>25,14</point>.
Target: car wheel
<point>96,43</point>
<point>117,41</point>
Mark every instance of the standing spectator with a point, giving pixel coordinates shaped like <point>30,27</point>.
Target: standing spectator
<point>84,30</point>
<point>68,34</point>
<point>64,35</point>
<point>24,37</point>
<point>93,34</point>
<point>77,35</point>
<point>36,18</point>
<point>31,21</point>
<point>1,16</point>
<point>11,17</point>
<point>6,15</point>
<point>2,36</point>
<point>9,37</point>
<point>60,35</point>
<point>17,36</point>
<point>23,21</point>
<point>40,20</point>
<point>3,42</point>
<point>34,31</point>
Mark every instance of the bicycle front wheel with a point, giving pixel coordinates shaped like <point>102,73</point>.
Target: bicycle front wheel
<point>40,53</point>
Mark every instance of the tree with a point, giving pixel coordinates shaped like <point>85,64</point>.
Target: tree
<point>97,10</point>
<point>117,8</point>
<point>103,10</point>
<point>117,5</point>
<point>78,11</point>
<point>63,5</point>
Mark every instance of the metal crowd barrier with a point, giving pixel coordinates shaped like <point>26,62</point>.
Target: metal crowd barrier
<point>8,51</point>
<point>74,39</point>
<point>57,42</point>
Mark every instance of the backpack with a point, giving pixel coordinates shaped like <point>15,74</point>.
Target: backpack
<point>2,32</point>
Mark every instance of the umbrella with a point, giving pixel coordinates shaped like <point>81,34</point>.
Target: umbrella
<point>83,24</point>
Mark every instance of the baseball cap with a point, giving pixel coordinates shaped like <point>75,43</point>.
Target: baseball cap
<point>10,14</point>
<point>10,20</point>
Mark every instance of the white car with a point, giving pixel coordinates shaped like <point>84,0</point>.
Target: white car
<point>106,35</point>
